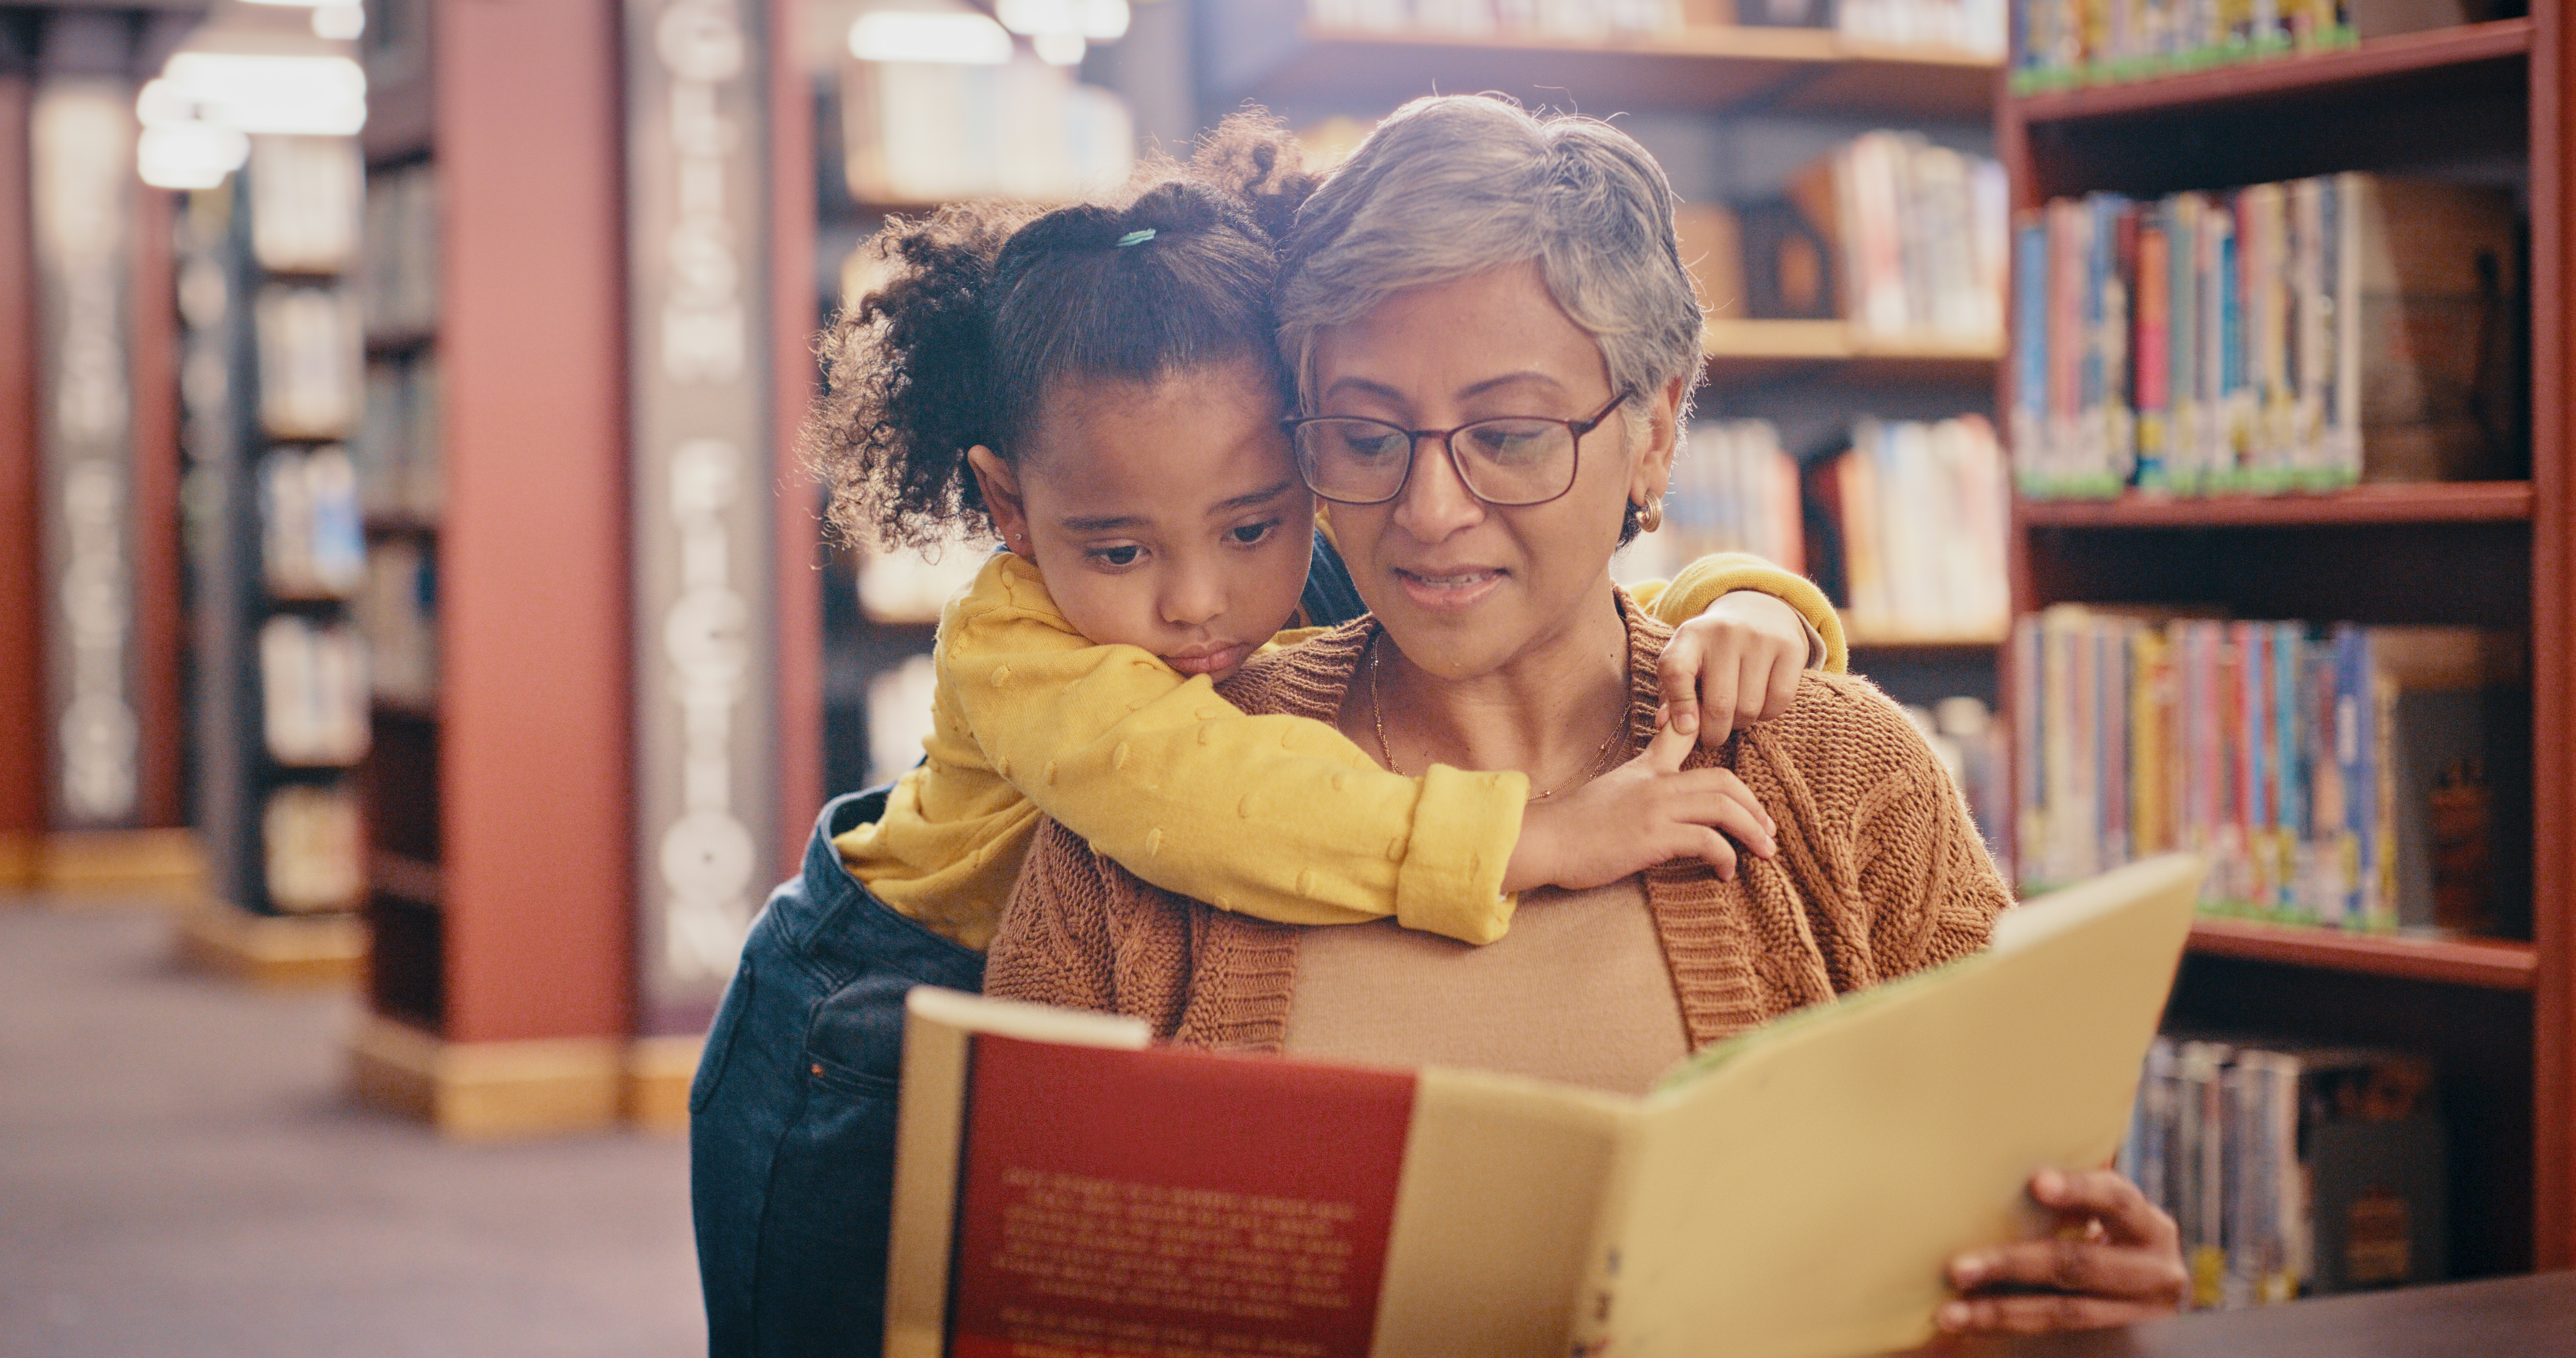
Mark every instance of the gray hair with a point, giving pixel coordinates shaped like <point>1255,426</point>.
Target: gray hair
<point>1454,185</point>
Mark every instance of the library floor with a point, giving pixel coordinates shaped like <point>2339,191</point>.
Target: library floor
<point>179,1177</point>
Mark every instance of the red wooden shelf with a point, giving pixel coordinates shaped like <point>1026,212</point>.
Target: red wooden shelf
<point>2435,58</point>
<point>2494,964</point>
<point>2430,502</point>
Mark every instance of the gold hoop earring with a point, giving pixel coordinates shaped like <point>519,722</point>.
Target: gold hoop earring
<point>1650,516</point>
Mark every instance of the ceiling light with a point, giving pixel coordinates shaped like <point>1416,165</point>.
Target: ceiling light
<point>956,39</point>
<point>1059,49</point>
<point>312,96</point>
<point>189,155</point>
<point>343,23</point>
<point>1095,20</point>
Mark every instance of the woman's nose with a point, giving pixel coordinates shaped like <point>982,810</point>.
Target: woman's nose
<point>1436,501</point>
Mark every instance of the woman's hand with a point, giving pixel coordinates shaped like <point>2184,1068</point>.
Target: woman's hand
<point>2117,1258</point>
<point>1647,811</point>
<point>1734,665</point>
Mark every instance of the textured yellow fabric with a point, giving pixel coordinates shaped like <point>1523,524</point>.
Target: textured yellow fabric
<point>1705,581</point>
<point>1276,817</point>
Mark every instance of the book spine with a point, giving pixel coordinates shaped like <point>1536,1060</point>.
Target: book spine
<point>2029,707</point>
<point>2031,341</point>
<point>2289,815</point>
<point>2154,348</point>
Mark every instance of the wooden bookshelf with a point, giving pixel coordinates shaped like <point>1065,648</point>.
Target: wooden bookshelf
<point>2430,503</point>
<point>2498,1015</point>
<point>1747,352</point>
<point>2408,66</point>
<point>1703,67</point>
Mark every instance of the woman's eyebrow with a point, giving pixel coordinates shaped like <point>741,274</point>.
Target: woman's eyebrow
<point>1249,500</point>
<point>1526,375</point>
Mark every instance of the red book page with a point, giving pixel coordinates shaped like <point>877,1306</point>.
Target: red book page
<point>1171,1203</point>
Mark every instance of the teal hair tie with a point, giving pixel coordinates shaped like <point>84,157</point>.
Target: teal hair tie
<point>1135,238</point>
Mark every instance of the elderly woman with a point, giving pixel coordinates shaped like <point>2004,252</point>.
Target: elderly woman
<point>1494,342</point>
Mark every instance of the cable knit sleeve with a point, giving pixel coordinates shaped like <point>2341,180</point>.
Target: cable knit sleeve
<point>1082,933</point>
<point>1932,889</point>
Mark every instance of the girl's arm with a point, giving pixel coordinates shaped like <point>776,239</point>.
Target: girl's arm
<point>1276,817</point>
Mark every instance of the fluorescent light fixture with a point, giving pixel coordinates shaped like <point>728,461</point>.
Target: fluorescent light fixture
<point>1059,49</point>
<point>1094,20</point>
<point>309,96</point>
<point>343,23</point>
<point>952,39</point>
<point>189,155</point>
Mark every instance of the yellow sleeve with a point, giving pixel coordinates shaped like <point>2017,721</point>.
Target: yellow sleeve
<point>1277,817</point>
<point>1702,582</point>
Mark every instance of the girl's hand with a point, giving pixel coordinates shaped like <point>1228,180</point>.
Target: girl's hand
<point>1644,812</point>
<point>1734,665</point>
<point>2116,1259</point>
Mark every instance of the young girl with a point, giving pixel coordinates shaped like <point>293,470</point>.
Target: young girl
<point>1099,387</point>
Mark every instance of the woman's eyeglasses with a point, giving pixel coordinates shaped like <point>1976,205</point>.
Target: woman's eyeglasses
<point>1512,461</point>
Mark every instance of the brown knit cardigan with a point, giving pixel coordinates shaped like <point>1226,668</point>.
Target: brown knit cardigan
<point>1880,873</point>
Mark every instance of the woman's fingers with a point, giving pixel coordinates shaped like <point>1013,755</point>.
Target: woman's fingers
<point>1710,847</point>
<point>2109,1197</point>
<point>1671,745</point>
<point>1722,812</point>
<point>1783,689</point>
<point>2040,1314</point>
<point>2121,1272</point>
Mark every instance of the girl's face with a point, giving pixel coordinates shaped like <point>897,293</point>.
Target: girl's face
<point>1166,514</point>
<point>1464,587</point>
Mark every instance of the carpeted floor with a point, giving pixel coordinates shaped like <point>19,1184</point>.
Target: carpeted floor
<point>180,1178</point>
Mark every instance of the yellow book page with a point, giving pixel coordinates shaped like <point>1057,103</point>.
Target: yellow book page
<point>1877,1137</point>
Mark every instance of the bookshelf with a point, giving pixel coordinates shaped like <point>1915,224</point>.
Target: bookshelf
<point>2497,1015</point>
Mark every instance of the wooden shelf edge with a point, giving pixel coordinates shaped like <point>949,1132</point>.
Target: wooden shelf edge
<point>1728,338</point>
<point>2492,964</point>
<point>2426,502</point>
<point>2272,77</point>
<point>405,878</point>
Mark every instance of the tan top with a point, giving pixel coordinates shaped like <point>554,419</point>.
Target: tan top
<point>1577,992</point>
<point>1880,873</point>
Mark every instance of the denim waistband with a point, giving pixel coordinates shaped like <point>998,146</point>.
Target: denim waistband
<point>832,919</point>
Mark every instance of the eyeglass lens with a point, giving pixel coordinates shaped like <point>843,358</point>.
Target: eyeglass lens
<point>1504,462</point>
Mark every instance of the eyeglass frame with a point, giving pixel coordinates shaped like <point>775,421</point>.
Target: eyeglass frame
<point>1577,428</point>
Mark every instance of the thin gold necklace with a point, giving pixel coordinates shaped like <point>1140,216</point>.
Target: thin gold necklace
<point>1601,758</point>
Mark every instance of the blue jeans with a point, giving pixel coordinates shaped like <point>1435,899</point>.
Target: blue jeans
<point>792,1114</point>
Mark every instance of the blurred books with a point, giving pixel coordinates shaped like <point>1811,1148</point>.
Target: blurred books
<point>921,133</point>
<point>1900,237</point>
<point>305,203</point>
<point>2292,1170</point>
<point>1913,523</point>
<point>2067,43</point>
<point>398,613</point>
<point>396,450</point>
<point>2297,336</point>
<point>313,689</point>
<point>398,273</point>
<point>2366,778</point>
<point>1732,490</point>
<point>309,360</point>
<point>311,543</point>
<point>313,845</point>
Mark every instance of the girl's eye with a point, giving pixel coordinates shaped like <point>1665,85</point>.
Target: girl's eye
<point>1122,556</point>
<point>1252,534</point>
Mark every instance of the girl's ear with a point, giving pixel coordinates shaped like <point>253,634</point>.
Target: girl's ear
<point>1652,472</point>
<point>1001,497</point>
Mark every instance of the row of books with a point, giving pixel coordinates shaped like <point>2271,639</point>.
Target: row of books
<point>1969,742</point>
<point>310,357</point>
<point>1552,18</point>
<point>398,269</point>
<point>916,133</point>
<point>397,448</point>
<point>2292,1170</point>
<point>2297,336</point>
<point>2361,778</point>
<point>1973,25</point>
<point>1902,237</point>
<point>398,613</point>
<point>313,845</point>
<point>1913,520</point>
<point>313,692</point>
<point>2062,44</point>
<point>1733,489</point>
<point>305,194</point>
<point>312,545</point>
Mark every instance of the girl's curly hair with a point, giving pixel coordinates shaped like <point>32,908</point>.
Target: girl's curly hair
<point>988,304</point>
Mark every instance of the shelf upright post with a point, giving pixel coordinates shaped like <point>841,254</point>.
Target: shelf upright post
<point>2553,583</point>
<point>22,725</point>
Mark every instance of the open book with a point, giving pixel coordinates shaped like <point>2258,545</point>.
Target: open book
<point>1063,1187</point>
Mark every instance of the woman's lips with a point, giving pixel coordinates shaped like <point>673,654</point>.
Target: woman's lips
<point>1449,590</point>
<point>1209,659</point>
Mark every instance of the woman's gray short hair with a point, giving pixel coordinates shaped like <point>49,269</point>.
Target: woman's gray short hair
<point>1455,185</point>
